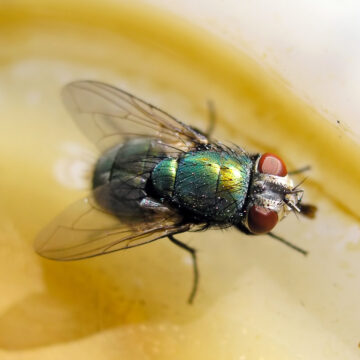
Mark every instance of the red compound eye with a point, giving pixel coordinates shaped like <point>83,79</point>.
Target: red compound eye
<point>261,220</point>
<point>272,165</point>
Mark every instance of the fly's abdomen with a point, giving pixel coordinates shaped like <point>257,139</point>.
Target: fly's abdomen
<point>121,175</point>
<point>211,186</point>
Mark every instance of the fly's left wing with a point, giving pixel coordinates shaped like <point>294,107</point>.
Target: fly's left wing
<point>85,230</point>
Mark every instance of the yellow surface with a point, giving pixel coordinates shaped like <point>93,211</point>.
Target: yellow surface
<point>257,299</point>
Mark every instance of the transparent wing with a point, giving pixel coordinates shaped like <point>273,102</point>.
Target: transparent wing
<point>85,230</point>
<point>107,115</point>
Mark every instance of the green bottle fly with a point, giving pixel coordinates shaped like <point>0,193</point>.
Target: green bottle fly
<point>157,177</point>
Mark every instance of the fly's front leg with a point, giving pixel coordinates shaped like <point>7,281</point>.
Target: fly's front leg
<point>192,252</point>
<point>300,171</point>
<point>287,243</point>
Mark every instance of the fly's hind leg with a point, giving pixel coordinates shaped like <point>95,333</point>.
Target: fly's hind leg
<point>212,119</point>
<point>192,252</point>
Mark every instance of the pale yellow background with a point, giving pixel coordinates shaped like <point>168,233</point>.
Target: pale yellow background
<point>257,299</point>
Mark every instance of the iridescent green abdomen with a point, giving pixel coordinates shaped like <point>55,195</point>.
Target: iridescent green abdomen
<point>209,185</point>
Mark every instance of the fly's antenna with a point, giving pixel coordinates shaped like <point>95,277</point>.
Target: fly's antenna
<point>289,244</point>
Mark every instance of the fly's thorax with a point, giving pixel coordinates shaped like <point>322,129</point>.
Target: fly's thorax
<point>272,195</point>
<point>208,185</point>
<point>164,176</point>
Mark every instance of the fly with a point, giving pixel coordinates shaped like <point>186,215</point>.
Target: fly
<point>158,177</point>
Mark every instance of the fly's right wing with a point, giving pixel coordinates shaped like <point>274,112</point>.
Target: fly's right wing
<point>108,116</point>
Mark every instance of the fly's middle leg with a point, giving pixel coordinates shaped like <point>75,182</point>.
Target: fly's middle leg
<point>192,252</point>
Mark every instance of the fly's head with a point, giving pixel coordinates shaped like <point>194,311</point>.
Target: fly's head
<point>272,196</point>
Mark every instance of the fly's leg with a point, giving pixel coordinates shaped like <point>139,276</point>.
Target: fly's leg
<point>212,118</point>
<point>192,252</point>
<point>287,243</point>
<point>149,204</point>
<point>299,171</point>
